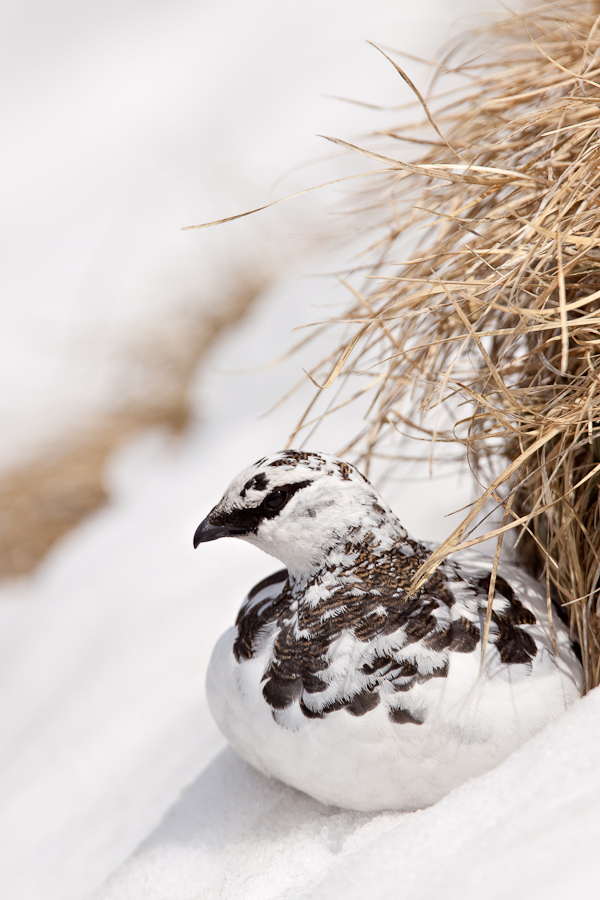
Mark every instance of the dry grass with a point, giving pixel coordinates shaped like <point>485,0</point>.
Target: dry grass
<point>489,335</point>
<point>44,499</point>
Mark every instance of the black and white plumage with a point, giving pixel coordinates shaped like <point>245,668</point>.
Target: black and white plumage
<point>339,683</point>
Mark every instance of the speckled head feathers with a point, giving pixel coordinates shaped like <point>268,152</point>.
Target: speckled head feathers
<point>295,505</point>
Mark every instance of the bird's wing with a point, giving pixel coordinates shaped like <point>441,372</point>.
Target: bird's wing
<point>260,608</point>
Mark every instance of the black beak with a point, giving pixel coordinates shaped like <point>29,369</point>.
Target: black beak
<point>207,532</point>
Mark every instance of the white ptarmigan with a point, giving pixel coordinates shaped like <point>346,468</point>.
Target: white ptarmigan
<point>338,682</point>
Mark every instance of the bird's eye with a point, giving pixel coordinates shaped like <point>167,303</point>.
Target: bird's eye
<point>275,500</point>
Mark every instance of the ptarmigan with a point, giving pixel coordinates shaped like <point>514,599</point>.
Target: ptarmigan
<point>338,682</point>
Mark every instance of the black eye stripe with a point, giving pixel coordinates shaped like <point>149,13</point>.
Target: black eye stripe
<point>283,492</point>
<point>247,521</point>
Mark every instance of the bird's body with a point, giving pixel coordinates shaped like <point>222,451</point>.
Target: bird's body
<point>339,682</point>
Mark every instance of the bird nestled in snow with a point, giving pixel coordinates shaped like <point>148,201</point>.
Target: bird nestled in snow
<point>338,681</point>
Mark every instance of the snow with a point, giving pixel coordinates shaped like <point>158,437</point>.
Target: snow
<point>103,650</point>
<point>526,829</point>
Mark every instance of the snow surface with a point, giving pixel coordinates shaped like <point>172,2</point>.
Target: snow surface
<point>103,650</point>
<point>526,829</point>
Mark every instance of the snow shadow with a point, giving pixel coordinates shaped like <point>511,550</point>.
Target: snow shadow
<point>236,834</point>
<point>230,800</point>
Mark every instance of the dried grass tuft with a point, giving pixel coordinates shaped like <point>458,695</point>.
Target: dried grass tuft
<point>494,321</point>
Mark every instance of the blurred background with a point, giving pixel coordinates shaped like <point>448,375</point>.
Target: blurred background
<point>123,123</point>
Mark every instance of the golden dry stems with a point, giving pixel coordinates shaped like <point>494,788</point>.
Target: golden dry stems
<point>494,320</point>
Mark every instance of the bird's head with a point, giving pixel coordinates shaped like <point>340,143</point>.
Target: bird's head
<point>300,507</point>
